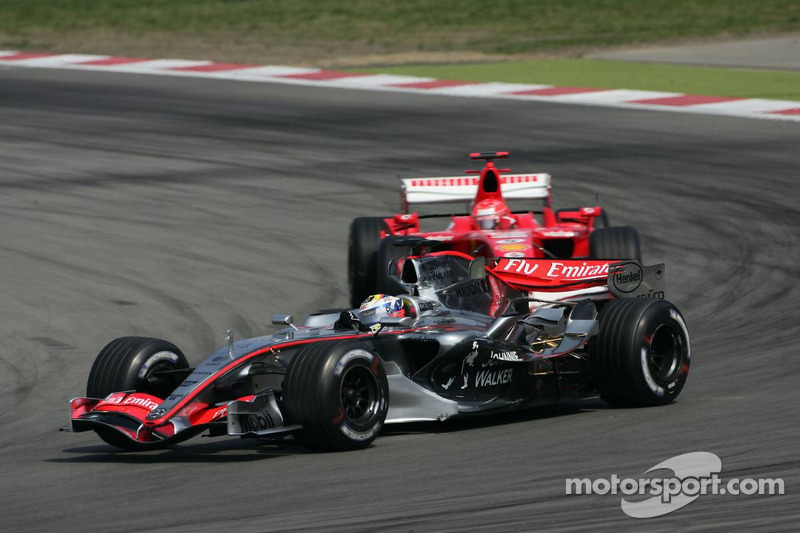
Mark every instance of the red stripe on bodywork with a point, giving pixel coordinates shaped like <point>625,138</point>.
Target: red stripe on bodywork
<point>21,56</point>
<point>113,61</point>
<point>685,100</point>
<point>189,397</point>
<point>325,75</point>
<point>792,111</point>
<point>435,84</point>
<point>557,91</point>
<point>215,67</point>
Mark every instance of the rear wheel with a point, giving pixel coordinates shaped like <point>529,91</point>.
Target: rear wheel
<point>642,352</point>
<point>615,242</point>
<point>362,261</point>
<point>339,393</point>
<point>134,364</point>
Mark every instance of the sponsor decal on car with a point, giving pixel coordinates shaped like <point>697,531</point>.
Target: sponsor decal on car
<point>557,234</point>
<point>491,378</point>
<point>256,422</point>
<point>474,288</point>
<point>220,413</point>
<point>555,269</point>
<point>505,356</point>
<point>628,278</point>
<point>512,247</point>
<point>145,403</point>
<point>467,363</point>
<point>652,294</point>
<point>509,235</point>
<point>114,398</point>
<point>426,306</point>
<point>435,271</point>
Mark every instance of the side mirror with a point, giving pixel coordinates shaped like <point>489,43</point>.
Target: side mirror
<point>397,321</point>
<point>283,320</point>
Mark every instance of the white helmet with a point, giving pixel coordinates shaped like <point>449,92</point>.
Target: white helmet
<point>379,306</point>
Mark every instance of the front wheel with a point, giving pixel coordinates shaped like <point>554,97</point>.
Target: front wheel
<point>138,364</point>
<point>642,352</point>
<point>339,393</point>
<point>135,364</point>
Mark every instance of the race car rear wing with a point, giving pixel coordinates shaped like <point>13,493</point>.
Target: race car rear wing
<point>464,188</point>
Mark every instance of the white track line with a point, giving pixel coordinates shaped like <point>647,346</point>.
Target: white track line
<point>616,98</point>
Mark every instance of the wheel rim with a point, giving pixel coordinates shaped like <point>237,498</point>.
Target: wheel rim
<point>667,351</point>
<point>151,384</point>
<point>359,394</point>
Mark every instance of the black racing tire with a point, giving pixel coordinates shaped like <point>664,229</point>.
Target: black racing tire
<point>385,280</point>
<point>362,261</point>
<point>338,392</point>
<point>129,363</point>
<point>602,221</point>
<point>642,352</point>
<point>615,242</point>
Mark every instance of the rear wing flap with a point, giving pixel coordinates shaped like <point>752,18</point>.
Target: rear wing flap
<point>464,188</point>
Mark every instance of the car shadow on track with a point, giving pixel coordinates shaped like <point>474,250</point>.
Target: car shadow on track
<point>219,451</point>
<point>483,420</point>
<point>227,450</point>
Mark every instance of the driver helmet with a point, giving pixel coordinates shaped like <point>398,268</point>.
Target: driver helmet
<point>488,213</point>
<point>378,306</point>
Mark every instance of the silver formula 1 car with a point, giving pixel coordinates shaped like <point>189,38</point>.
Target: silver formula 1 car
<point>477,336</point>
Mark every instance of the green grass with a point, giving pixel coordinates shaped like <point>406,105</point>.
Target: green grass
<point>358,32</point>
<point>319,30</point>
<point>779,85</point>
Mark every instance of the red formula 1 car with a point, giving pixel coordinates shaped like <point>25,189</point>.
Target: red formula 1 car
<point>490,229</point>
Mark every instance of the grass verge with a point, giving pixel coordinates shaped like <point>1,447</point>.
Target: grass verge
<point>778,85</point>
<point>320,30</point>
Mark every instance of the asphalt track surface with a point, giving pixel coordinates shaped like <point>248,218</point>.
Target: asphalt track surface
<point>179,208</point>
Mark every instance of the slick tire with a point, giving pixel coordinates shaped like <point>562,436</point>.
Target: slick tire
<point>642,352</point>
<point>129,363</point>
<point>385,278</point>
<point>339,393</point>
<point>362,261</point>
<point>615,242</point>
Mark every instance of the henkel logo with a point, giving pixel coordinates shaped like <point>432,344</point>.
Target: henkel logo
<point>555,269</point>
<point>628,278</point>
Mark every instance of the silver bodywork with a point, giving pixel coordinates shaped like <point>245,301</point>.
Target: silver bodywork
<point>451,356</point>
